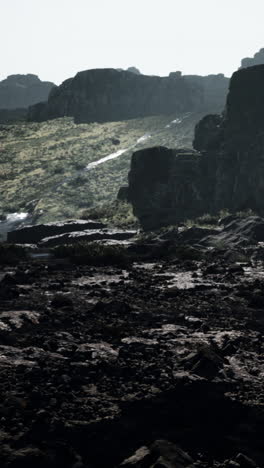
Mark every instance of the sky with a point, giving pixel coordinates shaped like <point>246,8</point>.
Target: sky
<point>55,39</point>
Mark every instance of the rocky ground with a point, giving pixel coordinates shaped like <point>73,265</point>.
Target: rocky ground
<point>157,362</point>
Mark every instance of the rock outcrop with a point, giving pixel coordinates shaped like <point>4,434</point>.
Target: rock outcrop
<point>22,91</point>
<point>258,59</point>
<point>103,95</point>
<point>169,186</point>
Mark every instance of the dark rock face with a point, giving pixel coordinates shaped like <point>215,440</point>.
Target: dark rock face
<point>227,173</point>
<point>258,59</point>
<point>67,232</point>
<point>111,95</point>
<point>21,91</point>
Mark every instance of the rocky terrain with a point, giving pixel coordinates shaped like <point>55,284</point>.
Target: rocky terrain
<point>151,359</point>
<point>121,348</point>
<point>22,91</point>
<point>226,171</point>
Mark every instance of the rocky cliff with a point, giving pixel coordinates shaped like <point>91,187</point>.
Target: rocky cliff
<point>109,95</point>
<point>21,91</point>
<point>169,186</point>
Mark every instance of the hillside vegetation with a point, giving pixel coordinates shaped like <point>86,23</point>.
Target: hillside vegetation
<point>43,165</point>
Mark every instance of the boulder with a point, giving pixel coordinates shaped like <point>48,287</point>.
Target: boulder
<point>88,235</point>
<point>169,186</point>
<point>34,234</point>
<point>161,453</point>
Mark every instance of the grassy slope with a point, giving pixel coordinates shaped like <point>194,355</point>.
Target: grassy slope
<point>45,161</point>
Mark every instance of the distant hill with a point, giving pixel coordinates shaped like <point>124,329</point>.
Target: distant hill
<point>258,59</point>
<point>109,95</point>
<point>22,91</point>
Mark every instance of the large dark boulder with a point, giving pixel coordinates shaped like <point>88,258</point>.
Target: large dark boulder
<point>161,453</point>
<point>22,91</point>
<point>103,95</point>
<point>166,186</point>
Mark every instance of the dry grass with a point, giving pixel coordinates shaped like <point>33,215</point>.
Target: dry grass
<point>44,162</point>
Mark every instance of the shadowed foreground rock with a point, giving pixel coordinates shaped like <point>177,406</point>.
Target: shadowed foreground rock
<point>148,364</point>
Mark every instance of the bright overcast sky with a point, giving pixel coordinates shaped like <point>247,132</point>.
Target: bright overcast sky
<point>57,38</point>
